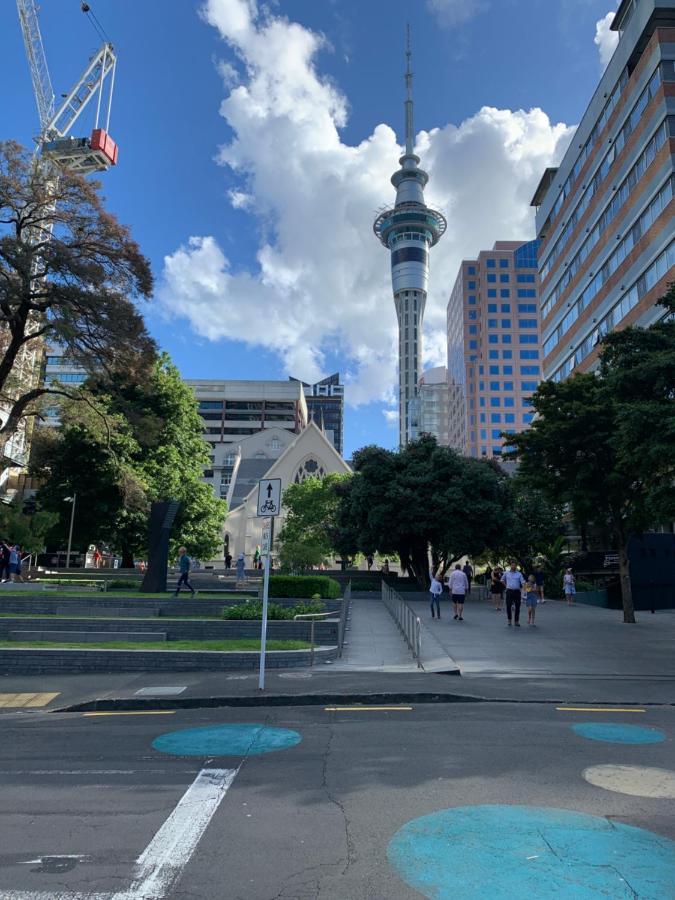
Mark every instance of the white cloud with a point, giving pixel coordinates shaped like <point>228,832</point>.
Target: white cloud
<point>455,12</point>
<point>322,281</point>
<point>605,39</point>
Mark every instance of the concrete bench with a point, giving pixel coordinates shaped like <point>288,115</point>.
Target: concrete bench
<point>87,637</point>
<point>106,612</point>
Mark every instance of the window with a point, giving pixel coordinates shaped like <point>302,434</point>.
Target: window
<point>505,292</point>
<point>482,418</point>
<point>496,451</point>
<point>482,401</point>
<point>473,314</point>
<point>483,451</point>
<point>507,354</point>
<point>492,307</point>
<point>503,263</point>
<point>491,263</point>
<point>491,279</point>
<point>509,402</point>
<point>505,308</point>
<point>483,434</point>
<point>527,338</point>
<point>529,370</point>
<point>506,339</point>
<point>527,418</point>
<point>493,354</point>
<point>481,385</point>
<point>527,401</point>
<point>494,385</point>
<point>508,370</point>
<point>495,401</point>
<point>473,345</point>
<point>496,434</point>
<point>527,292</point>
<point>494,370</point>
<point>525,279</point>
<point>527,323</point>
<point>509,418</point>
<point>508,386</point>
<point>481,370</point>
<point>472,404</point>
<point>473,329</point>
<point>528,385</point>
<point>529,354</point>
<point>472,300</point>
<point>472,270</point>
<point>504,279</point>
<point>495,418</point>
<point>493,339</point>
<point>506,323</point>
<point>210,404</point>
<point>492,292</point>
<point>527,307</point>
<point>492,323</point>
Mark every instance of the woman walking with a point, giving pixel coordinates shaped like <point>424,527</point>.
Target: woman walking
<point>435,591</point>
<point>569,587</point>
<point>497,589</point>
<point>531,598</point>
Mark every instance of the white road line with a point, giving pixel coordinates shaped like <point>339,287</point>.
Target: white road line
<point>163,860</point>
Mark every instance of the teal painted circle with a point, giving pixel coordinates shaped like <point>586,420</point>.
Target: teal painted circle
<point>613,733</point>
<point>511,852</point>
<point>226,740</point>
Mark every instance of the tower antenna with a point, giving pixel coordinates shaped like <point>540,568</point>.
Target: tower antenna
<point>409,130</point>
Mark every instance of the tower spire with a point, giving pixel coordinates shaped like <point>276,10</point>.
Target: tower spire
<point>409,130</point>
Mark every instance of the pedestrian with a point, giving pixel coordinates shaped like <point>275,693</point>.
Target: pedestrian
<point>370,561</point>
<point>228,560</point>
<point>539,581</point>
<point>497,589</point>
<point>458,584</point>
<point>256,557</point>
<point>15,563</point>
<point>184,563</point>
<point>4,562</point>
<point>488,576</point>
<point>569,587</point>
<point>468,571</point>
<point>98,556</point>
<point>531,598</point>
<point>385,567</point>
<point>513,582</point>
<point>241,567</point>
<point>435,591</point>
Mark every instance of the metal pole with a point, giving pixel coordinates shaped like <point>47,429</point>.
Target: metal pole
<point>70,533</point>
<point>263,631</point>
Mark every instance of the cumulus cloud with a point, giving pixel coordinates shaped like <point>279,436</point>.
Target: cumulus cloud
<point>321,282</point>
<point>455,12</point>
<point>605,39</point>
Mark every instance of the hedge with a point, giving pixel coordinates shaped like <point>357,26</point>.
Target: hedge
<point>253,610</point>
<point>304,586</point>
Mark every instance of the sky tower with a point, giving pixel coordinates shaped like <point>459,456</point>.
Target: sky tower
<point>408,230</point>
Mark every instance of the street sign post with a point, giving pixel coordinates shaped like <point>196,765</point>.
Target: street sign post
<point>269,506</point>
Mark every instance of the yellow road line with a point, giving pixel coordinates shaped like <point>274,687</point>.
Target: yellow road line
<point>594,709</point>
<point>148,712</point>
<point>367,708</point>
<point>18,701</point>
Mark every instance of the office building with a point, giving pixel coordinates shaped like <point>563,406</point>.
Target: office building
<point>234,410</point>
<point>408,231</point>
<point>605,216</point>
<point>494,329</point>
<point>325,406</point>
<point>435,410</point>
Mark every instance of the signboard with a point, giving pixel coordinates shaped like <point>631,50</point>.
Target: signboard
<point>266,534</point>
<point>269,497</point>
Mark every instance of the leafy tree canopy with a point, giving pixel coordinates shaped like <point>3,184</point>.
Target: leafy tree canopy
<point>310,529</point>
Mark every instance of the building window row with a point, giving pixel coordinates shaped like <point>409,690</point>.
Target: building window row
<point>70,377</point>
<point>603,169</point>
<point>620,310</point>
<point>523,278</point>
<point>642,225</point>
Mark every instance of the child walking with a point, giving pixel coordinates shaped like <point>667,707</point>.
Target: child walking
<point>569,586</point>
<point>531,598</point>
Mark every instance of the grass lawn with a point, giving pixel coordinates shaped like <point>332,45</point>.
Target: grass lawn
<point>123,595</point>
<point>231,646</point>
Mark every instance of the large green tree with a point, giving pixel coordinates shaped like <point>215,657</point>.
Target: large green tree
<point>310,528</point>
<point>530,523</point>
<point>123,449</point>
<point>422,498</point>
<point>604,442</point>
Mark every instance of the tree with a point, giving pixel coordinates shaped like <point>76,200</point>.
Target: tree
<point>69,275</point>
<point>27,530</point>
<point>310,527</point>
<point>421,497</point>
<point>530,524</point>
<point>122,450</point>
<point>604,442</point>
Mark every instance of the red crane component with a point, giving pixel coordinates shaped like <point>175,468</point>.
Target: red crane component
<point>103,143</point>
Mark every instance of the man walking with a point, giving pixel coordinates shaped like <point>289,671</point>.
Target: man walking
<point>539,581</point>
<point>184,563</point>
<point>468,571</point>
<point>513,581</point>
<point>459,585</point>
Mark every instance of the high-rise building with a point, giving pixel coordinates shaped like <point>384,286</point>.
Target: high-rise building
<point>325,406</point>
<point>605,216</point>
<point>408,231</point>
<point>494,328</point>
<point>234,410</point>
<point>434,410</point>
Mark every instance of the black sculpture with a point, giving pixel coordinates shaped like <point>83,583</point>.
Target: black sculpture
<point>162,517</point>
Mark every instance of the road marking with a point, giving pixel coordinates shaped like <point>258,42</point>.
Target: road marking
<point>594,709</point>
<point>25,701</point>
<point>144,712</point>
<point>367,708</point>
<point>636,781</point>
<point>163,860</point>
<point>161,690</point>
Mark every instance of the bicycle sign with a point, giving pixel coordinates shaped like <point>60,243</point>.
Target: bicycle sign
<point>269,497</point>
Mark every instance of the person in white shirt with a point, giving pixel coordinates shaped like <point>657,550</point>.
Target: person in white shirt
<point>459,585</point>
<point>435,591</point>
<point>569,587</point>
<point>513,581</point>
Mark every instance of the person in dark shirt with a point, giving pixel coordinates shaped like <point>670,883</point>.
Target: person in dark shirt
<point>468,571</point>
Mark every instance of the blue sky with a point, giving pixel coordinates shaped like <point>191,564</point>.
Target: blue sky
<point>256,142</point>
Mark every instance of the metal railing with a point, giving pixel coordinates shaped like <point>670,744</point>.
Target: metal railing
<point>343,615</point>
<point>408,623</point>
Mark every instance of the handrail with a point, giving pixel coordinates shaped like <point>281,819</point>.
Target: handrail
<point>342,615</point>
<point>408,623</point>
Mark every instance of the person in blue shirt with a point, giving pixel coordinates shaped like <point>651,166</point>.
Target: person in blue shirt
<point>184,564</point>
<point>513,582</point>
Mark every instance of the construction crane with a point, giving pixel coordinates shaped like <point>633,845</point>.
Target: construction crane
<point>59,150</point>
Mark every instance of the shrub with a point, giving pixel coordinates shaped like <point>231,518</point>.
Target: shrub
<point>121,585</point>
<point>253,610</point>
<point>304,586</point>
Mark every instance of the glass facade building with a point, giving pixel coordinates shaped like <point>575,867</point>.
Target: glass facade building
<point>326,406</point>
<point>605,216</point>
<point>494,338</point>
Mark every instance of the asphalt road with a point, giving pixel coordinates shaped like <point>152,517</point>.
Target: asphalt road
<point>90,808</point>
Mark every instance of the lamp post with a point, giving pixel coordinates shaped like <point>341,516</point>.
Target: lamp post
<point>72,523</point>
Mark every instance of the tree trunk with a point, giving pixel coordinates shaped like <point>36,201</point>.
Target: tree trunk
<point>624,577</point>
<point>420,565</point>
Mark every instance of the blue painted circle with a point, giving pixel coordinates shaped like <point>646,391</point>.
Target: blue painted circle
<point>511,852</point>
<point>226,740</point>
<point>614,733</point>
